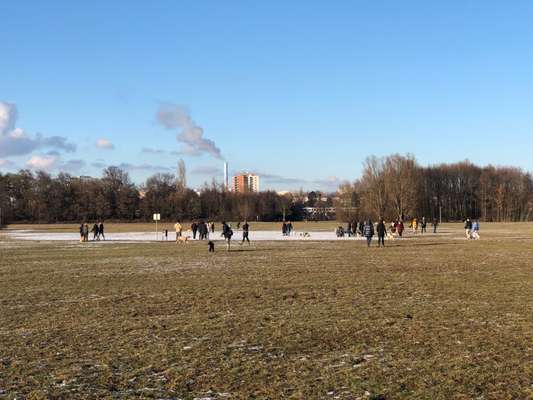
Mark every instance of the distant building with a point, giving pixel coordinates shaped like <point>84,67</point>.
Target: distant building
<point>246,183</point>
<point>85,178</point>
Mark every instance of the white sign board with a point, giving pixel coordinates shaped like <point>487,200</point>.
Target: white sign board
<point>157,217</point>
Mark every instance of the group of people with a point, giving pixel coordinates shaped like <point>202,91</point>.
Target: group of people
<point>367,229</point>
<point>97,231</point>
<point>472,229</point>
<point>198,228</point>
<point>369,232</point>
<point>364,229</point>
<point>286,228</point>
<point>356,228</point>
<point>202,229</point>
<point>422,225</point>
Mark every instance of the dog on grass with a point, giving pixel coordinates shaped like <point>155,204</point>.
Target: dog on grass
<point>211,245</point>
<point>182,240</point>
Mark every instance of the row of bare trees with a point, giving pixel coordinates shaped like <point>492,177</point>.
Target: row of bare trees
<point>389,187</point>
<point>396,186</point>
<point>40,197</point>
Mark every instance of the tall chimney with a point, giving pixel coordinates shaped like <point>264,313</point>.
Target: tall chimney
<point>226,176</point>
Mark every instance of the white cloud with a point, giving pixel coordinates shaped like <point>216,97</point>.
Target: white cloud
<point>15,141</point>
<point>8,117</point>
<point>103,143</point>
<point>173,116</point>
<point>45,163</point>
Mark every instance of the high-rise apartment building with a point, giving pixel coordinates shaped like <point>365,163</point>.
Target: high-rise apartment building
<point>246,183</point>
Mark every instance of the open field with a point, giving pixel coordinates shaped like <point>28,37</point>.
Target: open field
<point>432,317</point>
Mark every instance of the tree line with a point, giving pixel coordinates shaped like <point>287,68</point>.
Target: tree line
<point>397,186</point>
<point>40,197</point>
<point>390,187</point>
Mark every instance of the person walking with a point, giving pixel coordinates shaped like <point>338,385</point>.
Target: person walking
<point>368,232</point>
<point>166,234</point>
<point>212,227</point>
<point>201,234</point>
<point>468,228</point>
<point>400,228</point>
<point>227,233</point>
<point>95,230</point>
<point>245,232</point>
<point>284,228</point>
<point>414,225</point>
<point>289,228</point>
<point>381,231</point>
<point>435,223</point>
<point>423,225</point>
<point>349,229</point>
<point>85,232</point>
<point>178,228</point>
<point>361,228</point>
<point>81,232</point>
<point>475,230</point>
<point>101,229</point>
<point>206,230</point>
<point>194,229</point>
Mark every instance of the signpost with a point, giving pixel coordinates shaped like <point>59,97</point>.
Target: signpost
<point>157,217</point>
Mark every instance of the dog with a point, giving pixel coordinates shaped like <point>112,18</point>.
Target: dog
<point>305,234</point>
<point>211,245</point>
<point>182,240</point>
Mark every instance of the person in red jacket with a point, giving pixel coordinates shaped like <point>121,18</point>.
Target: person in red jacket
<point>400,228</point>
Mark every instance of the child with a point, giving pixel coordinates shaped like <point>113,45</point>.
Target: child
<point>211,245</point>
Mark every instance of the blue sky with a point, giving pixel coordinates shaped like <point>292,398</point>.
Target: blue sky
<point>300,92</point>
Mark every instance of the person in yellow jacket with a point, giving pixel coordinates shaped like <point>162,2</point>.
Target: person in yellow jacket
<point>179,229</point>
<point>415,226</point>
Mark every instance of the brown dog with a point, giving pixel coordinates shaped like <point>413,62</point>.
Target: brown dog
<point>182,240</point>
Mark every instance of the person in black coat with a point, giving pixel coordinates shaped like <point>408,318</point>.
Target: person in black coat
<point>101,230</point>
<point>245,232</point>
<point>227,232</point>
<point>381,231</point>
<point>96,232</point>
<point>194,229</point>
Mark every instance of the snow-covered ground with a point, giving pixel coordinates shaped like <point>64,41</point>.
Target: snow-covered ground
<point>151,236</point>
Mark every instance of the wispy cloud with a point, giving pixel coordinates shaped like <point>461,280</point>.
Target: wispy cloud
<point>329,184</point>
<point>206,170</point>
<point>149,150</point>
<point>73,165</point>
<point>4,163</point>
<point>98,164</point>
<point>104,143</point>
<point>144,167</point>
<point>15,141</point>
<point>189,134</point>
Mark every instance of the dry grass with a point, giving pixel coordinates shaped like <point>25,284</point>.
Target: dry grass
<point>430,318</point>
